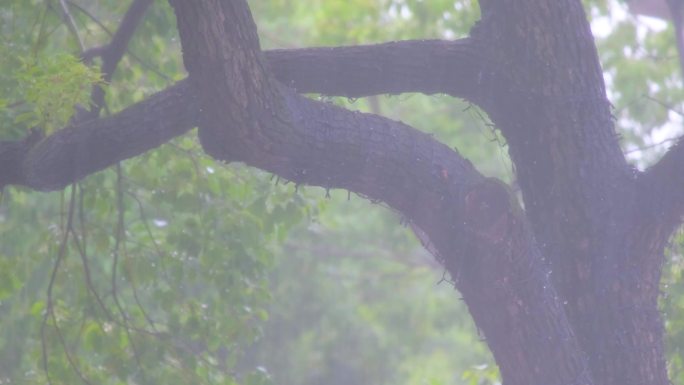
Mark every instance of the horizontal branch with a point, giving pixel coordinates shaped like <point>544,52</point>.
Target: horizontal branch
<point>75,152</point>
<point>78,151</point>
<point>425,66</point>
<point>12,155</point>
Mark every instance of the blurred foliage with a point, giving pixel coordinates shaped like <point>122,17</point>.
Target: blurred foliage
<point>165,274</point>
<point>179,269</point>
<point>673,308</point>
<point>359,301</point>
<point>641,68</point>
<point>50,87</point>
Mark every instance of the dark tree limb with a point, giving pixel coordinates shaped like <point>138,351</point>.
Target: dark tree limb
<point>389,68</point>
<point>94,52</point>
<point>532,65</point>
<point>401,72</point>
<point>112,53</point>
<point>480,237</point>
<point>71,24</point>
<point>12,156</point>
<point>77,151</point>
<point>544,90</point>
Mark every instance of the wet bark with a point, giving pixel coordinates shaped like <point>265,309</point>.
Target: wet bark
<point>544,90</point>
<point>565,290</point>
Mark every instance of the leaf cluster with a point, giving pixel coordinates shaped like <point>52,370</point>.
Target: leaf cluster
<point>51,87</point>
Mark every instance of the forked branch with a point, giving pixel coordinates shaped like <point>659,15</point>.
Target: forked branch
<point>479,235</point>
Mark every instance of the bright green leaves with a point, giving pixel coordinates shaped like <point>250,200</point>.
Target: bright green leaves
<point>51,86</point>
<point>46,90</point>
<point>40,82</point>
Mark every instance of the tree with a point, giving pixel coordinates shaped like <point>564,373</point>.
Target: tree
<point>565,291</point>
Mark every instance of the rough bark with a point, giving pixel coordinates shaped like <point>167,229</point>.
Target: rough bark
<point>565,292</point>
<point>174,110</point>
<point>545,91</point>
<point>389,68</point>
<point>482,240</point>
<point>77,151</point>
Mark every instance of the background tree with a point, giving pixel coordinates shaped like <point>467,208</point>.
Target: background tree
<point>574,278</point>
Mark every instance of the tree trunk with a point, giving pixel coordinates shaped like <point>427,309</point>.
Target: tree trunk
<point>565,290</point>
<point>542,85</point>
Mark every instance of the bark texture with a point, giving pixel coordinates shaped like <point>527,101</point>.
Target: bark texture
<point>564,291</point>
<point>483,241</point>
<point>544,90</point>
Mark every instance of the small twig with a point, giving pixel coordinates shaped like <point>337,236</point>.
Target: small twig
<point>81,217</point>
<point>652,145</point>
<point>49,311</point>
<point>116,49</point>
<point>145,221</point>
<point>120,239</point>
<point>71,24</point>
<point>110,316</point>
<point>142,308</point>
<point>190,155</point>
<point>62,341</point>
<point>88,277</point>
<point>159,253</point>
<point>677,12</point>
<point>91,53</point>
<point>664,105</point>
<point>91,17</point>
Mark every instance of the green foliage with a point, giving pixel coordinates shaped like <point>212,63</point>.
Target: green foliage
<point>641,68</point>
<point>321,22</point>
<point>163,279</point>
<point>482,375</point>
<point>357,300</point>
<point>51,86</point>
<point>673,308</point>
<point>33,58</point>
<point>155,282</point>
<point>180,270</point>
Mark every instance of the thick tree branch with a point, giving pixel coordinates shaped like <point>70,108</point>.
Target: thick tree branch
<point>357,74</point>
<point>531,64</point>
<point>12,155</point>
<point>481,238</point>
<point>483,241</point>
<point>426,66</point>
<point>77,151</point>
